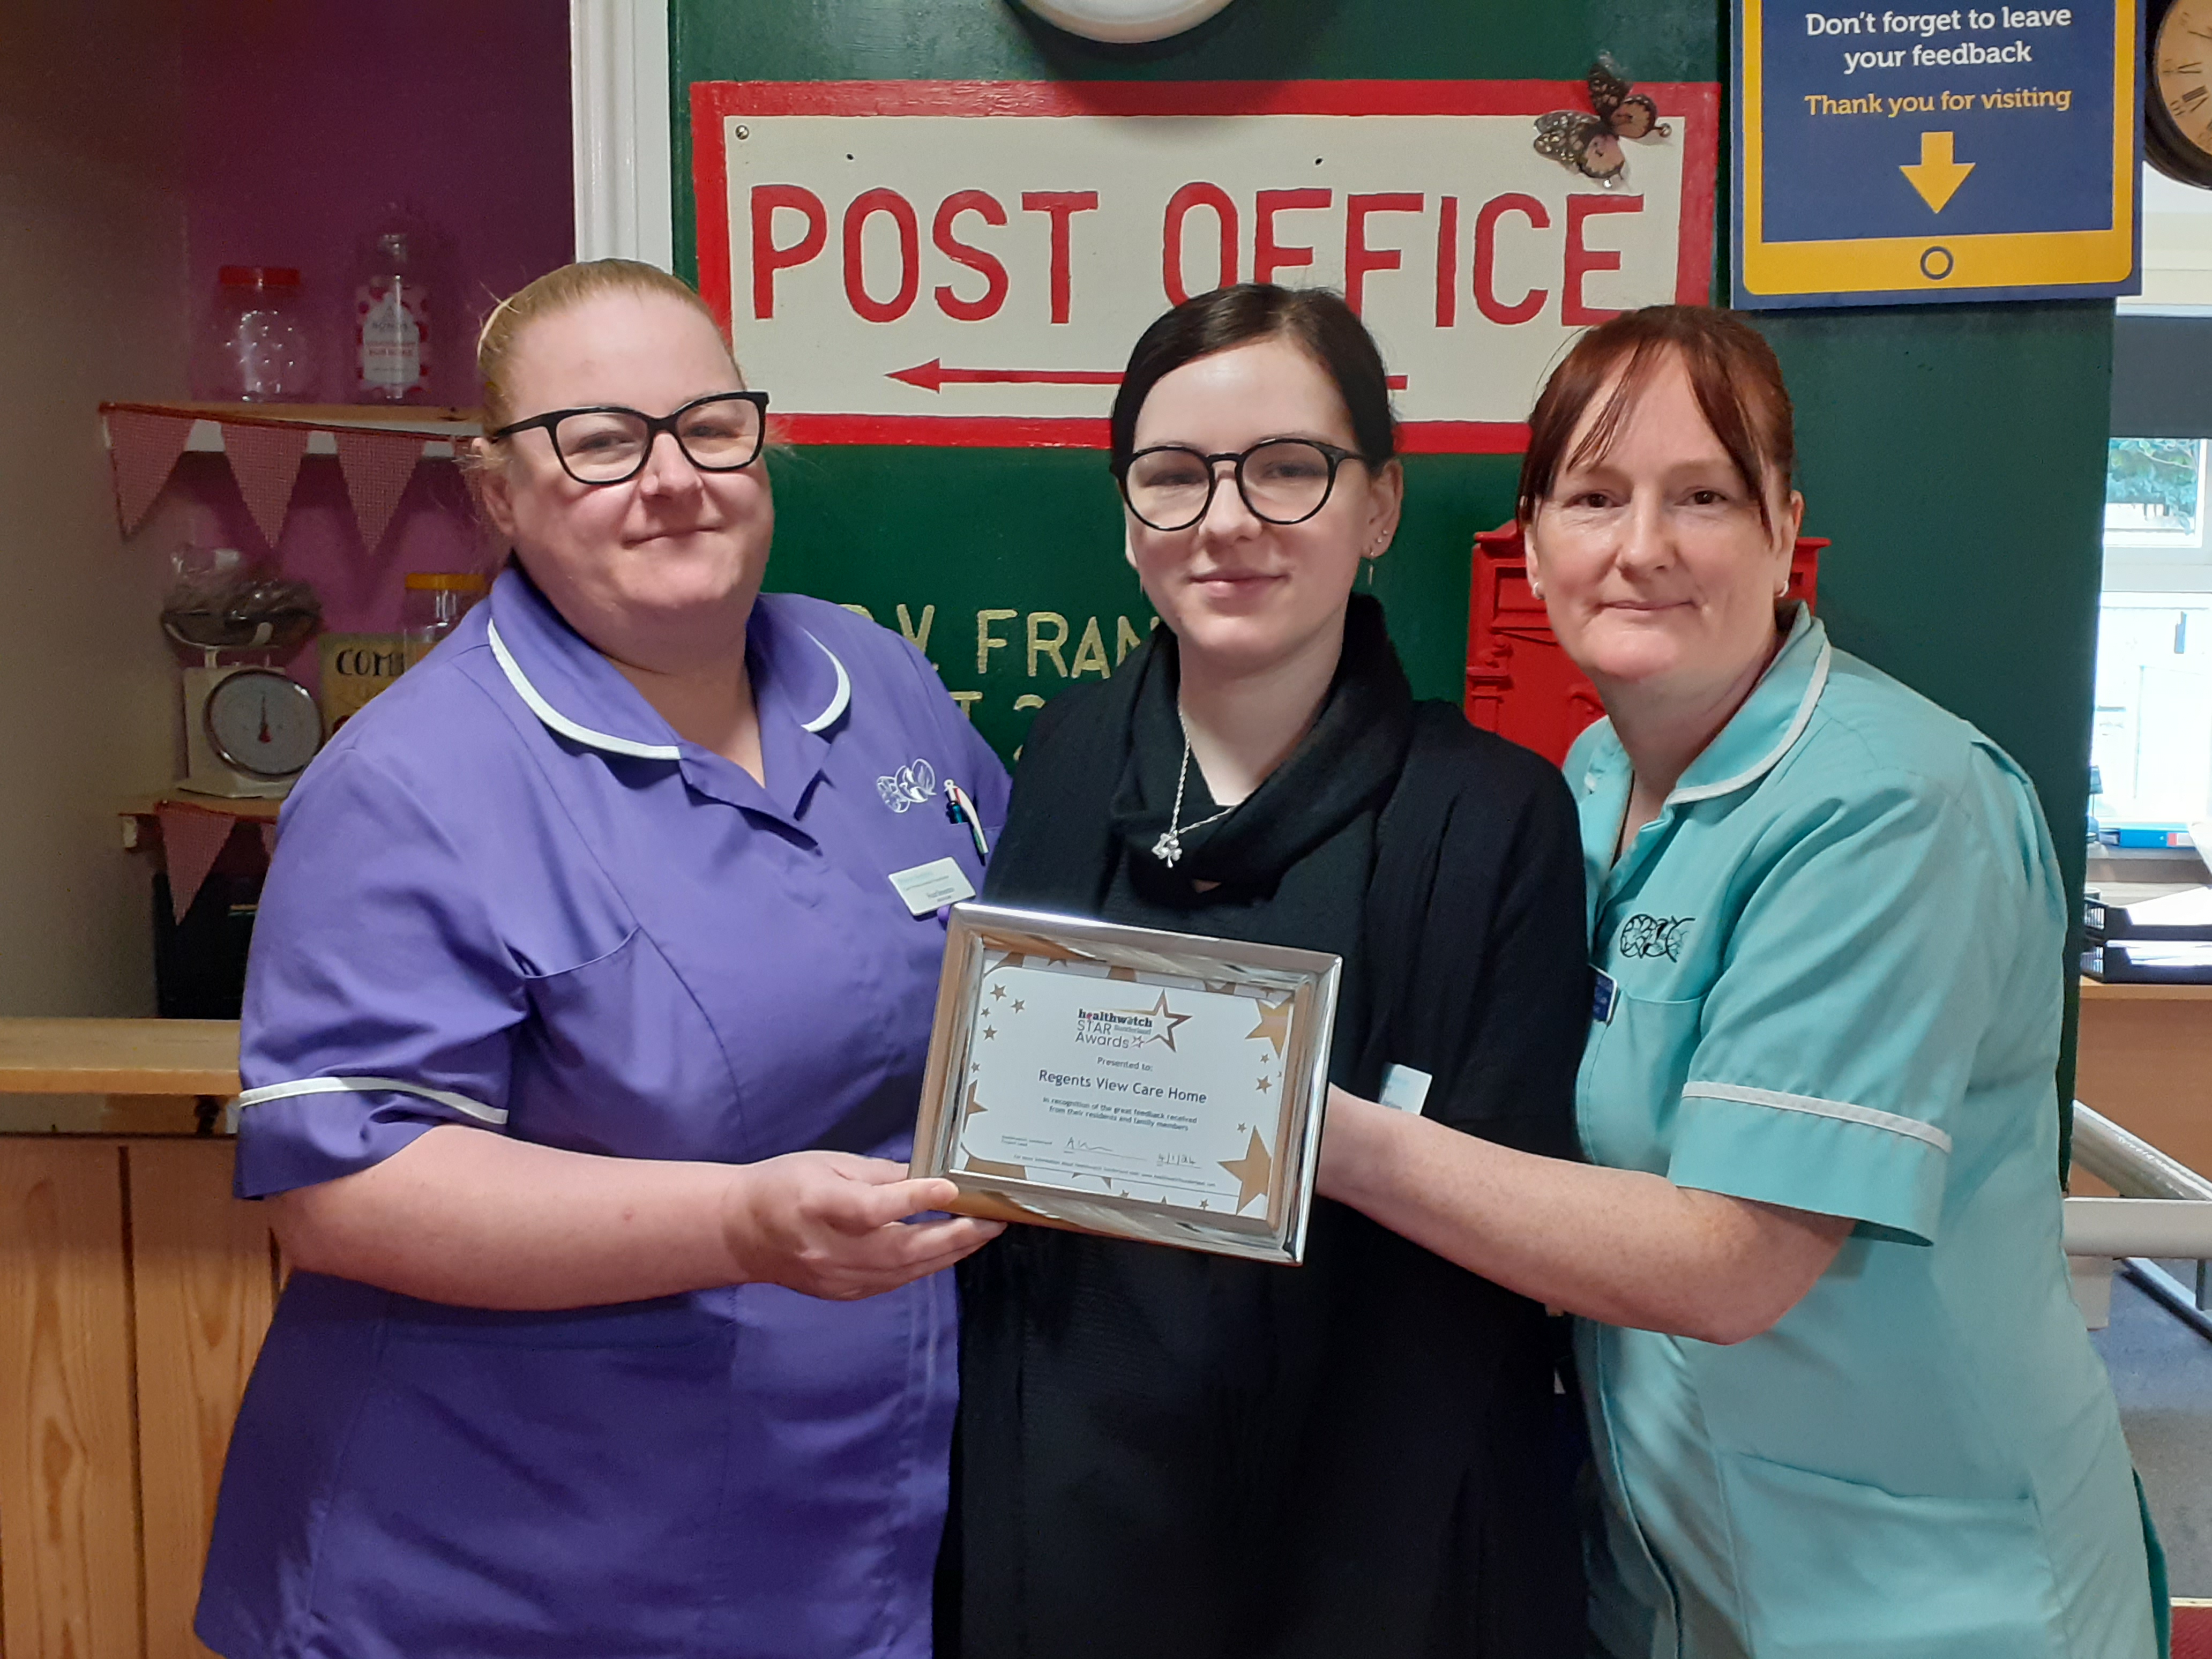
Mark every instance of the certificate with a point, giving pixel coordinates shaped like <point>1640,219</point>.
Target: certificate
<point>1127,1081</point>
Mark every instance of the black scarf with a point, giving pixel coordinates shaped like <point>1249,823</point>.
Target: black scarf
<point>1346,765</point>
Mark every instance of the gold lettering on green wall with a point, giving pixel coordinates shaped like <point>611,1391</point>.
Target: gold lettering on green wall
<point>1090,653</point>
<point>1028,700</point>
<point>967,700</point>
<point>918,639</point>
<point>1127,639</point>
<point>1044,644</point>
<point>986,641</point>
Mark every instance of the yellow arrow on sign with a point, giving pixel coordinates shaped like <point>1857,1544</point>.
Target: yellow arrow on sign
<point>1937,177</point>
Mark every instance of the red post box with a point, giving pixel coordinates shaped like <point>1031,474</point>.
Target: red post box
<point>1519,683</point>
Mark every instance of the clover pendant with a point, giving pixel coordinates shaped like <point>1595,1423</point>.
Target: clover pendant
<point>1168,848</point>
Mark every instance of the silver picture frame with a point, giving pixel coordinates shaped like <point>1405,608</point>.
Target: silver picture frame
<point>1103,1122</point>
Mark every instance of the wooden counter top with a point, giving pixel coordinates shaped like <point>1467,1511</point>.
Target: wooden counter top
<point>2097,991</point>
<point>118,1057</point>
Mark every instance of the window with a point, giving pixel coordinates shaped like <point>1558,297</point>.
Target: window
<point>2154,494</point>
<point>2152,741</point>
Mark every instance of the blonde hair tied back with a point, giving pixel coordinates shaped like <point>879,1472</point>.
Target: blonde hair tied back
<point>555,292</point>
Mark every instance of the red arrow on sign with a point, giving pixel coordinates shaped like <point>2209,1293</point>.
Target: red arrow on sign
<point>933,376</point>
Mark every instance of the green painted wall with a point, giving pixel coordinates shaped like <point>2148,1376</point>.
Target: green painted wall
<point>1954,454</point>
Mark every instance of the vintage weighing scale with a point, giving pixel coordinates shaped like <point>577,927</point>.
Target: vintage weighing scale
<point>250,728</point>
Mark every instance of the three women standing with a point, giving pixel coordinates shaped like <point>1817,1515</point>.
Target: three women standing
<point>586,1023</point>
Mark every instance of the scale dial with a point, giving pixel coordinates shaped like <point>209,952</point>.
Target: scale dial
<point>264,724</point>
<point>2178,132</point>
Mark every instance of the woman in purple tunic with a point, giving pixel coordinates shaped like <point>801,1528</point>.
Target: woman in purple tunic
<point>583,1033</point>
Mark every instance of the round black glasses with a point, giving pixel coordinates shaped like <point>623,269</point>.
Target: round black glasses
<point>1283,481</point>
<point>607,444</point>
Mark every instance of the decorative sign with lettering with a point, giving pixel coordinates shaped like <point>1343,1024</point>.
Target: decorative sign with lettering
<point>355,668</point>
<point>943,262</point>
<point>1906,156</point>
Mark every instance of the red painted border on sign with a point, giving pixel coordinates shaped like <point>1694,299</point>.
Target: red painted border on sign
<point>714,101</point>
<point>1085,432</point>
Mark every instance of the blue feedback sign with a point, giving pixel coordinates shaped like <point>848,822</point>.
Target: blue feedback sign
<point>1909,156</point>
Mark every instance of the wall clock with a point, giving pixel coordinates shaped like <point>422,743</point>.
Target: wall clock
<point>2177,90</point>
<point>1125,21</point>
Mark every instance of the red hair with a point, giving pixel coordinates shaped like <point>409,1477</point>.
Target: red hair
<point>1733,372</point>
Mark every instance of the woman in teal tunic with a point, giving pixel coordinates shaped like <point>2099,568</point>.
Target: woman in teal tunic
<point>1841,1400</point>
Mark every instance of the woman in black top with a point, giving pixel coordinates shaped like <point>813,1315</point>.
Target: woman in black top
<point>1165,1455</point>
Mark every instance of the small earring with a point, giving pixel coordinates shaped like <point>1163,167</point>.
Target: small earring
<point>1535,588</point>
<point>1782,588</point>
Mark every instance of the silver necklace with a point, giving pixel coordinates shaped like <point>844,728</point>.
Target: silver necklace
<point>1167,849</point>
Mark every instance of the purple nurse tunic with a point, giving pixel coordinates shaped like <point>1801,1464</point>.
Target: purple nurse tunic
<point>509,897</point>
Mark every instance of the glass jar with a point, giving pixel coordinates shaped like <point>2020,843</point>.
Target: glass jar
<point>258,346</point>
<point>433,605</point>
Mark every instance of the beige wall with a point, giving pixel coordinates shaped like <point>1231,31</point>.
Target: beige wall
<point>92,307</point>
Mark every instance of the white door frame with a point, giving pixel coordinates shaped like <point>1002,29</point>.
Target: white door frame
<point>618,114</point>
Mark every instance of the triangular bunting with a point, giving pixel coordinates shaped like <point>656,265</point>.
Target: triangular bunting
<point>268,840</point>
<point>142,449</point>
<point>265,461</point>
<point>377,466</point>
<point>192,840</point>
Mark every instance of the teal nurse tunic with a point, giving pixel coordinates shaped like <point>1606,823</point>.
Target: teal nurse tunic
<point>1834,983</point>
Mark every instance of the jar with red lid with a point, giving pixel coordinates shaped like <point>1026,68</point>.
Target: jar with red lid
<point>257,344</point>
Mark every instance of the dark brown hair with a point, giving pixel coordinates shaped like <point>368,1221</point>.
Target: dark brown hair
<point>1732,371</point>
<point>1315,320</point>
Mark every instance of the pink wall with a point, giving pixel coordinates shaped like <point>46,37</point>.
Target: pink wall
<point>305,121</point>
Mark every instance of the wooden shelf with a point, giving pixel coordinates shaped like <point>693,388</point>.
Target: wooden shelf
<point>442,428</point>
<point>118,1057</point>
<point>255,808</point>
<point>2098,991</point>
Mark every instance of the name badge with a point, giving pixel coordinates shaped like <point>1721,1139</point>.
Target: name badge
<point>1404,1090</point>
<point>1604,995</point>
<point>928,888</point>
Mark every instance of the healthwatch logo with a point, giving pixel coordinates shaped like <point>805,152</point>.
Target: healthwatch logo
<point>1128,1028</point>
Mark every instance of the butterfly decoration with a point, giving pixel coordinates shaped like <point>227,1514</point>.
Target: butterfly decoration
<point>910,785</point>
<point>1590,142</point>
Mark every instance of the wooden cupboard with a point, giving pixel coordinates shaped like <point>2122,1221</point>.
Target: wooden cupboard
<point>134,1294</point>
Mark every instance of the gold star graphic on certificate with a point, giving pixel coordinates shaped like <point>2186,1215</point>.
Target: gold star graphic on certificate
<point>998,993</point>
<point>1017,1004</point>
<point>1274,1024</point>
<point>1253,1171</point>
<point>1160,1011</point>
<point>984,1166</point>
<point>975,1105</point>
<point>1264,1085</point>
<point>1127,976</point>
<point>990,1033</point>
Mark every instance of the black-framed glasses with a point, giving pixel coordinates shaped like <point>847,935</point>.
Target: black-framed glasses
<point>1283,481</point>
<point>607,444</point>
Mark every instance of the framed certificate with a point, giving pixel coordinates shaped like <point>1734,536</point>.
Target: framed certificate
<point>1127,1081</point>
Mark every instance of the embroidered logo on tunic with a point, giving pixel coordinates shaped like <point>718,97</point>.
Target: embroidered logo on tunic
<point>1654,936</point>
<point>910,785</point>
